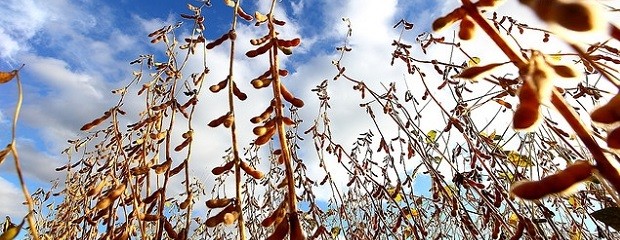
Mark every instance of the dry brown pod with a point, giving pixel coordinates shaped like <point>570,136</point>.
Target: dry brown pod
<point>219,218</point>
<point>251,170</point>
<point>608,113</point>
<point>475,72</point>
<point>152,197</point>
<point>286,94</point>
<point>218,202</point>
<point>298,103</point>
<point>288,121</point>
<point>452,17</point>
<point>177,169</point>
<point>276,216</point>
<point>148,217</point>
<point>224,168</point>
<point>238,93</point>
<point>97,188</point>
<point>559,182</point>
<point>613,139</point>
<point>231,217</point>
<point>118,190</point>
<point>170,229</point>
<point>219,86</point>
<point>218,41</point>
<point>162,106</point>
<point>261,82</point>
<point>229,120</point>
<point>564,71</point>
<point>141,170</point>
<point>157,136</point>
<point>263,116</point>
<point>104,203</point>
<point>526,117</point>
<point>527,114</point>
<point>261,140</point>
<point>260,50</point>
<point>187,201</point>
<point>163,167</point>
<point>575,16</point>
<point>243,14</point>
<point>260,130</point>
<point>296,232</point>
<point>96,122</point>
<point>280,232</point>
<point>259,41</point>
<point>289,43</point>
<point>278,22</point>
<point>466,29</point>
<point>216,122</point>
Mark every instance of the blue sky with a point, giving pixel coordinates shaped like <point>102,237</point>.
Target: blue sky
<point>76,51</point>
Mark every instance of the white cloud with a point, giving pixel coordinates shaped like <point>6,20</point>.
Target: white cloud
<point>19,21</point>
<point>11,199</point>
<point>37,166</point>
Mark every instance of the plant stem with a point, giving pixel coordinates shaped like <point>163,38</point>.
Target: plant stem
<point>286,154</point>
<point>29,202</point>
<point>233,128</point>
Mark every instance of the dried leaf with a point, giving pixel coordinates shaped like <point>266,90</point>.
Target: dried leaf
<point>5,77</point>
<point>260,17</point>
<point>4,153</point>
<point>12,231</point>
<point>335,232</point>
<point>476,72</point>
<point>229,3</point>
<point>519,160</point>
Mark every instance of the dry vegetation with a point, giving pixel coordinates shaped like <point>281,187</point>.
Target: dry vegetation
<point>485,180</point>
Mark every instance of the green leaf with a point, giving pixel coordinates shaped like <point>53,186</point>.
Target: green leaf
<point>473,61</point>
<point>506,176</point>
<point>431,136</point>
<point>609,216</point>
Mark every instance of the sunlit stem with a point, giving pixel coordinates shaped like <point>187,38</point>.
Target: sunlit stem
<point>233,128</point>
<point>286,153</point>
<point>29,202</point>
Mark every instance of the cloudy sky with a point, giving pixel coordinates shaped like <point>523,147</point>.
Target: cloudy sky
<point>76,51</point>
